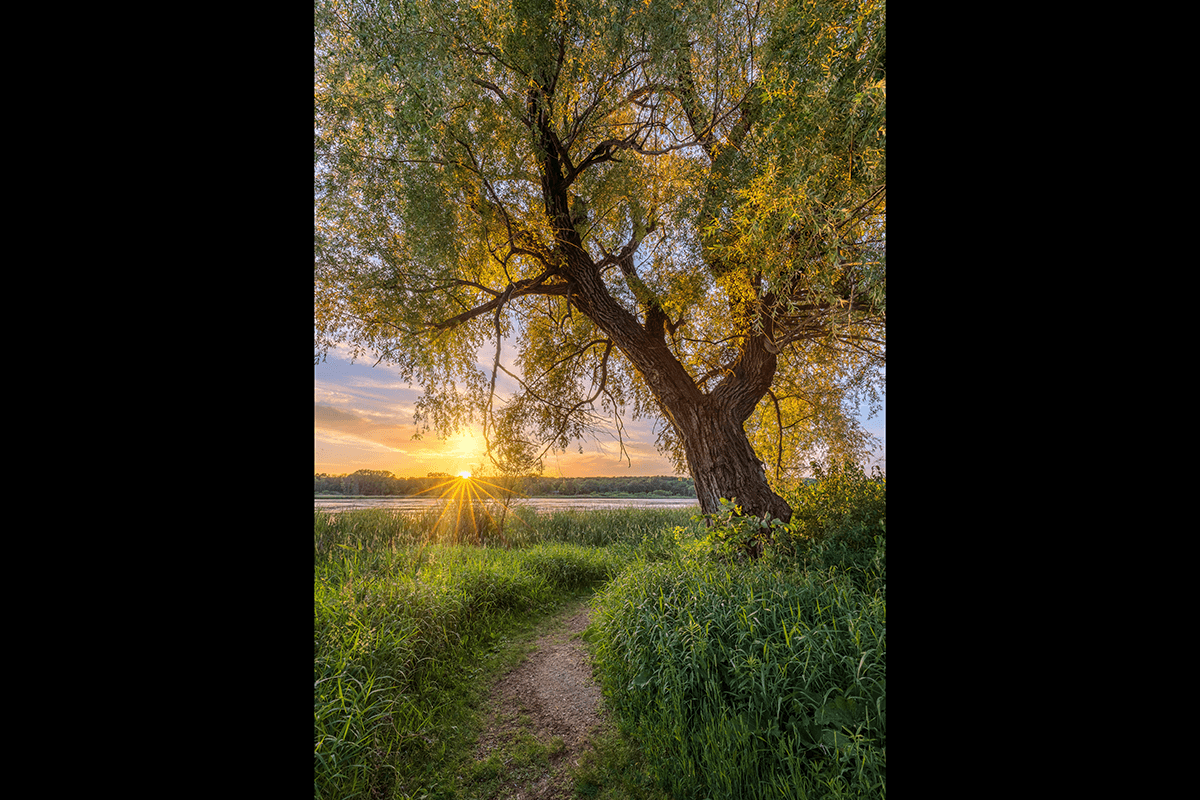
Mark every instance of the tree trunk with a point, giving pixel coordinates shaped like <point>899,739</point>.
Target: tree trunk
<point>719,455</point>
<point>724,465</point>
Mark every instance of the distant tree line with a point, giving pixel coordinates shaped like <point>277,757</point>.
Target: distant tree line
<point>383,482</point>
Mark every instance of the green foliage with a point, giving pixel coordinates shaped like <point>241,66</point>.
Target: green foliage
<point>583,180</point>
<point>734,534</point>
<point>839,522</point>
<point>742,681</point>
<point>403,620</point>
<point>729,677</point>
<point>842,503</point>
<point>841,506</point>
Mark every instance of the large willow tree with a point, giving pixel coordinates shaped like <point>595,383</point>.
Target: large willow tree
<point>672,207</point>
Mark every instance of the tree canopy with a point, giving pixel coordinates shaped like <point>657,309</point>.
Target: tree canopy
<point>671,207</point>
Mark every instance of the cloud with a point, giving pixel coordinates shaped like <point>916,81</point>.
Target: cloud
<point>330,417</point>
<point>603,457</point>
<point>363,418</point>
<point>338,426</point>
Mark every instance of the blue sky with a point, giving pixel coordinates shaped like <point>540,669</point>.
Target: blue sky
<point>363,420</point>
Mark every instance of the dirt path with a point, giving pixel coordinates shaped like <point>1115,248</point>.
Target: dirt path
<point>551,696</point>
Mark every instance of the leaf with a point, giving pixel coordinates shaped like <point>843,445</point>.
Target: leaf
<point>643,679</point>
<point>837,712</point>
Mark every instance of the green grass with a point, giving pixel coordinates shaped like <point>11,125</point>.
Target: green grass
<point>758,679</point>
<point>725,678</point>
<point>408,627</point>
<point>742,681</point>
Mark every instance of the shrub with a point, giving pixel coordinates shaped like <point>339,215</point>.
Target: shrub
<point>838,520</point>
<point>843,505</point>
<point>839,523</point>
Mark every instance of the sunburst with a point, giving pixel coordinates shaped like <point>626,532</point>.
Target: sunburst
<point>464,495</point>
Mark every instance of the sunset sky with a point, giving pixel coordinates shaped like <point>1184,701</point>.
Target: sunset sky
<point>363,419</point>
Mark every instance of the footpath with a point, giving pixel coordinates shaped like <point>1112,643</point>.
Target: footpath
<point>541,715</point>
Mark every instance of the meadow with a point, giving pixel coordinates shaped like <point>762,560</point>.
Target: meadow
<point>728,677</point>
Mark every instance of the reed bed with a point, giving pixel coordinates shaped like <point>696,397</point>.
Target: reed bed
<point>491,524</point>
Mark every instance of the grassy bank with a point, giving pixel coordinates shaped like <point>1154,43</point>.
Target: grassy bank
<point>413,613</point>
<point>745,679</point>
<point>728,678</point>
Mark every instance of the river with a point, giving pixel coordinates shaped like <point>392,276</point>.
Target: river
<point>542,505</point>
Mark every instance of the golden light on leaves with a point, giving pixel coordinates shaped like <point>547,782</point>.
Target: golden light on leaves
<point>748,176</point>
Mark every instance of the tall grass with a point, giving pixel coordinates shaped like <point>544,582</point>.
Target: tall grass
<point>489,524</point>
<point>402,615</point>
<point>748,682</point>
<point>734,678</point>
<point>758,679</point>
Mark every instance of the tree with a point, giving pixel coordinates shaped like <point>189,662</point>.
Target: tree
<point>676,208</point>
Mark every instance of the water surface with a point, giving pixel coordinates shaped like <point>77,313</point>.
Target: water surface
<point>542,505</point>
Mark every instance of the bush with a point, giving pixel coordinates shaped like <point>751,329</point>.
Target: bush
<point>839,522</point>
<point>842,505</point>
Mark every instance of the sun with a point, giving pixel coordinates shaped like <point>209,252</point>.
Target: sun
<point>464,474</point>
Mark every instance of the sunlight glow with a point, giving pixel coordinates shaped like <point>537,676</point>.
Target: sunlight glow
<point>473,509</point>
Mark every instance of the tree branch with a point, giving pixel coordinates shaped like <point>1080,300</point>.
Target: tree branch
<point>534,286</point>
<point>779,423</point>
<point>566,413</point>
